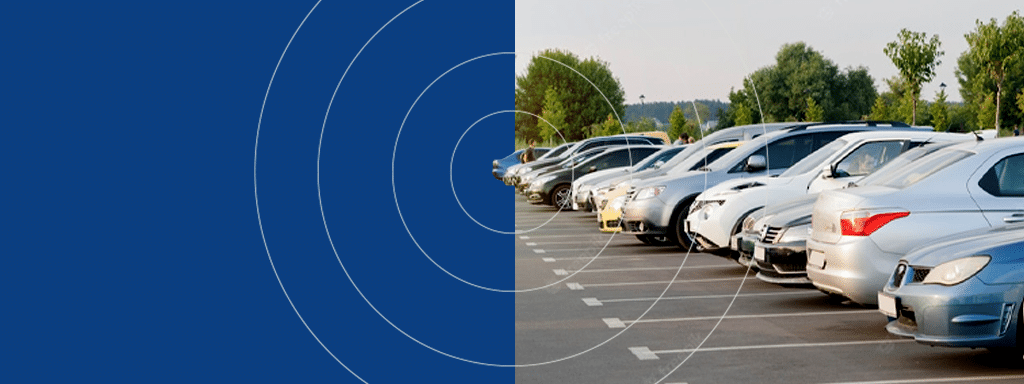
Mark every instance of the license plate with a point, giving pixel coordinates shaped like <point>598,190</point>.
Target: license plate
<point>816,259</point>
<point>758,253</point>
<point>733,244</point>
<point>686,226</point>
<point>887,304</point>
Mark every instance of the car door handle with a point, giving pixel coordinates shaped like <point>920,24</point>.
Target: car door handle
<point>1014,218</point>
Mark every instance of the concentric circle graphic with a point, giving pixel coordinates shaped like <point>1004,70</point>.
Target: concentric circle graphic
<point>381,315</point>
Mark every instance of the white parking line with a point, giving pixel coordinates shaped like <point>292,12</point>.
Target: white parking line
<point>524,237</point>
<point>548,260</point>
<point>614,323</point>
<point>574,286</point>
<point>654,268</point>
<point>777,346</point>
<point>643,353</point>
<point>561,272</point>
<point>760,316</point>
<point>634,256</point>
<point>552,236</point>
<point>939,380</point>
<point>726,296</point>
<point>592,302</point>
<point>538,251</point>
<point>531,244</point>
<point>663,282</point>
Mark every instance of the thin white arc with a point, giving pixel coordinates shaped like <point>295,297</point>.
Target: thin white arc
<point>452,181</point>
<point>399,208</point>
<point>259,219</point>
<point>747,273</point>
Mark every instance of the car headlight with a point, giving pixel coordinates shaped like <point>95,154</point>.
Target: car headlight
<point>618,202</point>
<point>956,271</point>
<point>707,206</point>
<point>748,223</point>
<point>794,234</point>
<point>649,192</point>
<point>544,179</point>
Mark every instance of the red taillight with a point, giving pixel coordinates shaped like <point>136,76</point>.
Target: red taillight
<point>864,223</point>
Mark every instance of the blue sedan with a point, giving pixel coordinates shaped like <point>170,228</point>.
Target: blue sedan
<point>965,292</point>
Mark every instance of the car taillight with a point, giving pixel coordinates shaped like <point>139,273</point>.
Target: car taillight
<point>864,223</point>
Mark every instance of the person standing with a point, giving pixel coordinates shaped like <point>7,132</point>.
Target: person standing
<point>528,155</point>
<point>684,138</point>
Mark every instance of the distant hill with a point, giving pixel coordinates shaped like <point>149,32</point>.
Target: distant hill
<point>661,110</point>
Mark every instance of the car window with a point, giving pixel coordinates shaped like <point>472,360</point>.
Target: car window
<point>710,158</point>
<point>901,161</point>
<point>814,161</point>
<point>663,156</point>
<point>1006,178</point>
<point>918,170</point>
<point>868,158</point>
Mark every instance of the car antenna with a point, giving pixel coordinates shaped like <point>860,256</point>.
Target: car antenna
<point>977,135</point>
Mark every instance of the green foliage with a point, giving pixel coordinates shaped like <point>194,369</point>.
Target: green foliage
<point>781,90</point>
<point>987,113</point>
<point>995,52</point>
<point>814,111</point>
<point>610,127</point>
<point>676,123</point>
<point>1020,104</point>
<point>961,118</point>
<point>916,60</point>
<point>579,85</point>
<point>553,114</point>
<point>662,110</point>
<point>939,112</point>
<point>880,110</point>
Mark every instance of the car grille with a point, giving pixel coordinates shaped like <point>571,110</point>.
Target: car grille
<point>611,224</point>
<point>631,226</point>
<point>920,274</point>
<point>770,234</point>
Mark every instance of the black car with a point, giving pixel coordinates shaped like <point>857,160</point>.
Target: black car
<point>553,187</point>
<point>512,170</point>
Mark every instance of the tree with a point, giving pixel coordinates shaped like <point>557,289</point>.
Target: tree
<point>994,49</point>
<point>880,110</point>
<point>987,113</point>
<point>814,111</point>
<point>579,85</point>
<point>553,114</point>
<point>676,123</point>
<point>916,60</point>
<point>780,91</point>
<point>1020,103</point>
<point>939,112</point>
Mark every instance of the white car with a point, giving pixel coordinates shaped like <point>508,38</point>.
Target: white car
<point>859,234</point>
<point>717,213</point>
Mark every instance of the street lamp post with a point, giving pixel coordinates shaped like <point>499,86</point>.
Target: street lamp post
<point>641,107</point>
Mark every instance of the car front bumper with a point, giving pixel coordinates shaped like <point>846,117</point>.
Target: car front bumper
<point>646,217</point>
<point>970,314</point>
<point>782,263</point>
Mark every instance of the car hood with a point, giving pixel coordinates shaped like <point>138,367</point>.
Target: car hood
<point>792,212</point>
<point>977,242</point>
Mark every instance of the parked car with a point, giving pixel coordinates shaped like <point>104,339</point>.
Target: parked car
<point>610,202</point>
<point>554,153</point>
<point>718,212</point>
<point>963,292</point>
<point>500,166</point>
<point>582,146</point>
<point>859,234</point>
<point>583,186</point>
<point>659,206</point>
<point>553,187</point>
<point>778,244</point>
<point>526,179</point>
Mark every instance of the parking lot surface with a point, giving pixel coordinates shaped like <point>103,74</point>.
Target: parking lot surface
<point>604,308</point>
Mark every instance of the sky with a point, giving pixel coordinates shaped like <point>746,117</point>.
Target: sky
<point>684,50</point>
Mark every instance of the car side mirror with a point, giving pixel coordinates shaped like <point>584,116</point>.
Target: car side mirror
<point>658,164</point>
<point>829,172</point>
<point>756,163</point>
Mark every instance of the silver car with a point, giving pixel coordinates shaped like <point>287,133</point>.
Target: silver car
<point>859,234</point>
<point>965,292</point>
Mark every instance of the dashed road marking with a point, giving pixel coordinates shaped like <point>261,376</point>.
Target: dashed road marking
<point>643,353</point>
<point>663,282</point>
<point>795,345</point>
<point>548,260</point>
<point>728,296</point>
<point>538,251</point>
<point>760,316</point>
<point>561,272</point>
<point>524,237</point>
<point>655,268</point>
<point>574,286</point>
<point>614,322</point>
<point>531,244</point>
<point>592,302</point>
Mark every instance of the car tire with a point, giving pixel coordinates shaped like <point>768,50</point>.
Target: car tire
<point>677,234</point>
<point>560,197</point>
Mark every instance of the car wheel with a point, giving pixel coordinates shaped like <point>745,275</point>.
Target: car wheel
<point>644,238</point>
<point>677,230</point>
<point>560,197</point>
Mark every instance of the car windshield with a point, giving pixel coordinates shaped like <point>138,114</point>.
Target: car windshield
<point>557,152</point>
<point>664,155</point>
<point>699,160</point>
<point>814,161</point>
<point>921,169</point>
<point>901,162</point>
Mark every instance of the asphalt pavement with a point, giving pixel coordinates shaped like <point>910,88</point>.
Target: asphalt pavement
<point>605,308</point>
